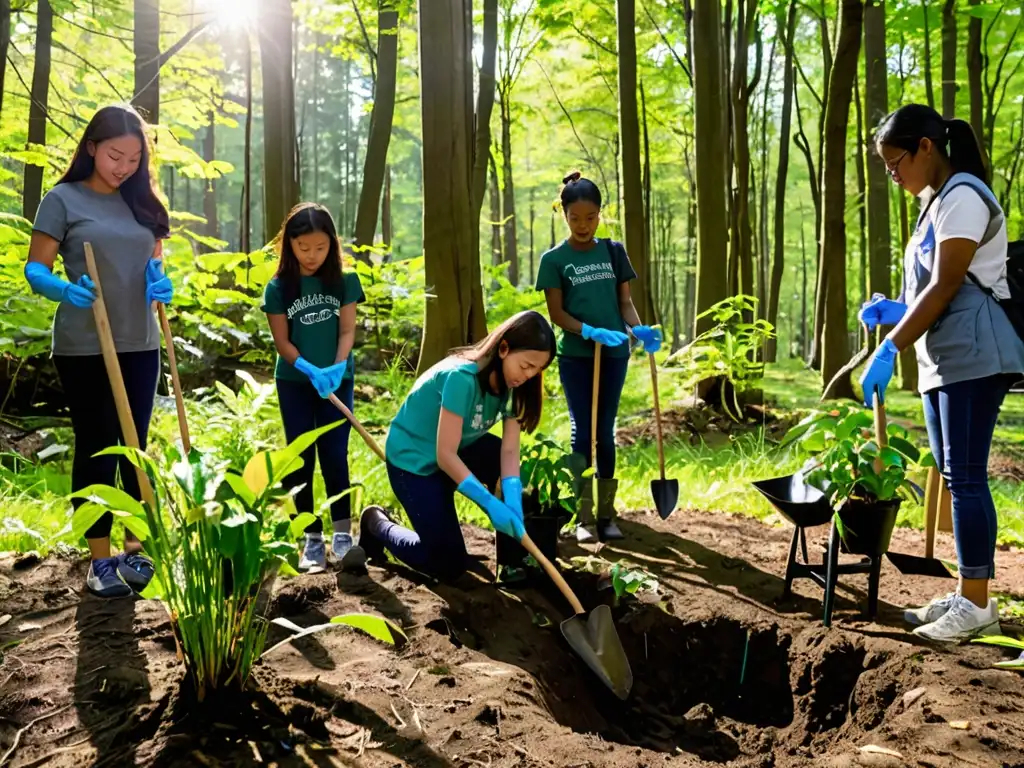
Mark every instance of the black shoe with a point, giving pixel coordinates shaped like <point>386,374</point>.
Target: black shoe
<point>607,530</point>
<point>369,523</point>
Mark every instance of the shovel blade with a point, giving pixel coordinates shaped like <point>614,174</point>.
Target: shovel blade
<point>916,565</point>
<point>666,494</point>
<point>596,642</point>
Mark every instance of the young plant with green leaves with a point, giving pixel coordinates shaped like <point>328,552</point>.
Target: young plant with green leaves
<point>547,476</point>
<point>218,539</point>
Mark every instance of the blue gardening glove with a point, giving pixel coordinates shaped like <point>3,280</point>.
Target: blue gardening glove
<point>512,494</point>
<point>158,285</point>
<point>334,374</point>
<point>48,285</point>
<point>603,336</point>
<point>879,372</point>
<point>318,377</point>
<point>881,311</point>
<point>503,518</point>
<point>649,337</point>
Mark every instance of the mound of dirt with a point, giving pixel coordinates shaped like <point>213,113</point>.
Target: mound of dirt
<point>698,422</point>
<point>724,672</point>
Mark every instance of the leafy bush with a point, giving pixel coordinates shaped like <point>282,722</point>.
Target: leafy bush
<point>546,474</point>
<point>240,425</point>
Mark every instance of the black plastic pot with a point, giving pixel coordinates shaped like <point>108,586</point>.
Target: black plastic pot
<point>867,525</point>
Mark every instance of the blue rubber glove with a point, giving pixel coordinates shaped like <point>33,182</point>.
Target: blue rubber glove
<point>158,285</point>
<point>48,285</point>
<point>879,372</point>
<point>335,373</point>
<point>512,494</point>
<point>881,311</point>
<point>317,376</point>
<point>649,337</point>
<point>503,518</point>
<point>603,336</point>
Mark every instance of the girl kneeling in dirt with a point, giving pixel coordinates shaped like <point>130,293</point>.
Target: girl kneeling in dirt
<point>439,444</point>
<point>105,198</point>
<point>311,307</point>
<point>586,284</point>
<point>968,353</point>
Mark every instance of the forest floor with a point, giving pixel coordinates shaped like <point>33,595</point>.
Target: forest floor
<point>724,672</point>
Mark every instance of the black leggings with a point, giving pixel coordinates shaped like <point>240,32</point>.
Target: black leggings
<point>94,420</point>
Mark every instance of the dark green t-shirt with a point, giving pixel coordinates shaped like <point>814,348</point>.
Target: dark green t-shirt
<point>590,291</point>
<point>313,321</point>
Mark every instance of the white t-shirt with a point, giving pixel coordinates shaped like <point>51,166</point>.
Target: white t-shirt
<point>963,214</point>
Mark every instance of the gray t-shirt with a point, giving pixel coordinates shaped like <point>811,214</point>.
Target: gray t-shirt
<point>74,214</point>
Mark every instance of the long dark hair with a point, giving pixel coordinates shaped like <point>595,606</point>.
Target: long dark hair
<point>953,139</point>
<point>527,330</point>
<point>138,190</point>
<point>575,188</point>
<point>305,219</point>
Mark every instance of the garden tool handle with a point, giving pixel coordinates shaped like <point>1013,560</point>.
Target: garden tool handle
<point>593,403</point>
<point>881,434</point>
<point>179,400</point>
<point>359,427</point>
<point>657,414</point>
<point>551,571</point>
<point>124,411</point>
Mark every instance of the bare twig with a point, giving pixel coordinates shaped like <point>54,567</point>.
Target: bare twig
<point>401,722</point>
<point>21,731</point>
<point>414,678</point>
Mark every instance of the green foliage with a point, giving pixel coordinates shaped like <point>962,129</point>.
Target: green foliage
<point>1005,642</point>
<point>628,579</point>
<point>216,547</point>
<point>546,474</point>
<point>240,424</point>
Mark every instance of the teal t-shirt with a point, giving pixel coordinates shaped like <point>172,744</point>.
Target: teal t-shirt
<point>313,321</point>
<point>453,384</point>
<point>590,291</point>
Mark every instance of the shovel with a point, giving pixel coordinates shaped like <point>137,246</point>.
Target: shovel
<point>844,372</point>
<point>593,638</point>
<point>665,492</point>
<point>367,438</point>
<point>179,401</point>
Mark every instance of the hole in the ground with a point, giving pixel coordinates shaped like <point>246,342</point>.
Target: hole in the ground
<point>828,684</point>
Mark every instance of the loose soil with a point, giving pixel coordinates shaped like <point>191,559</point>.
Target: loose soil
<point>725,673</point>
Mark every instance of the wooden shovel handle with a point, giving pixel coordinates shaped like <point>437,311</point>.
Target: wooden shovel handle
<point>124,411</point>
<point>881,429</point>
<point>551,571</point>
<point>358,427</point>
<point>179,400</point>
<point>657,414</point>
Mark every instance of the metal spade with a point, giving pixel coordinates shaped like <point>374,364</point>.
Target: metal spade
<point>593,637</point>
<point>665,492</point>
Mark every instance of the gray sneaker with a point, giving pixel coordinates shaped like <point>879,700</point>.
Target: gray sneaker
<point>135,569</point>
<point>103,581</point>
<point>314,554</point>
<point>345,553</point>
<point>962,622</point>
<point>934,611</point>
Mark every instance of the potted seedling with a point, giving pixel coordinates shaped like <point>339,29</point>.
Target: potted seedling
<point>549,502</point>
<point>865,483</point>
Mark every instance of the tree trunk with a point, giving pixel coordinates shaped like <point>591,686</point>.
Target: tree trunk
<point>508,193</point>
<point>280,182</point>
<point>949,86</point>
<point>654,283</point>
<point>210,194</point>
<point>495,187</point>
<point>974,74</point>
<point>381,118</point>
<point>742,260</point>
<point>245,237</point>
<point>5,42</point>
<point>835,350</point>
<point>805,347</point>
<point>484,107</point>
<point>862,196</point>
<point>710,150</point>
<point>632,184</point>
<point>533,248</point>
<point>928,89</point>
<point>877,107</point>
<point>37,111</point>
<point>386,227</point>
<point>146,43</point>
<point>450,238</point>
<point>778,259</point>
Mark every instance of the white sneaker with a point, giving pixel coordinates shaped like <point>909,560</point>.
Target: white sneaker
<point>314,554</point>
<point>934,611</point>
<point>963,621</point>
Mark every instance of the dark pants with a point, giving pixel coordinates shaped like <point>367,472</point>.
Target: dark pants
<point>303,410</point>
<point>577,375</point>
<point>436,547</point>
<point>961,419</point>
<point>95,423</point>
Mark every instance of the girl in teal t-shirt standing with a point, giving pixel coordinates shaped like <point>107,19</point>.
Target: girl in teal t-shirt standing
<point>311,307</point>
<point>439,444</point>
<point>586,283</point>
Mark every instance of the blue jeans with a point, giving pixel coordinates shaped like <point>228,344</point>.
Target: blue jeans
<point>95,424</point>
<point>436,547</point>
<point>577,375</point>
<point>303,410</point>
<point>961,419</point>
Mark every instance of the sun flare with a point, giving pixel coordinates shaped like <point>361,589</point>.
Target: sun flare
<point>235,13</point>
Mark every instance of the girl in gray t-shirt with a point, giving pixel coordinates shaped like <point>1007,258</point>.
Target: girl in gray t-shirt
<point>106,198</point>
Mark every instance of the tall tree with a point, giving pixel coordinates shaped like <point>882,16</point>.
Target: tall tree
<point>710,150</point>
<point>949,86</point>
<point>146,43</point>
<point>280,171</point>
<point>381,119</point>
<point>876,107</point>
<point>5,42</point>
<point>929,90</point>
<point>974,74</point>
<point>38,107</point>
<point>788,85</point>
<point>835,351</point>
<point>632,183</point>
<point>484,108</point>
<point>450,239</point>
<point>210,193</point>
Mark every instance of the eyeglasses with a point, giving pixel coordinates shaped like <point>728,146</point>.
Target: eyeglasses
<point>893,168</point>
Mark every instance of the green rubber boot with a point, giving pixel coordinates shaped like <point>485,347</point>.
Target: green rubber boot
<point>585,529</point>
<point>607,530</point>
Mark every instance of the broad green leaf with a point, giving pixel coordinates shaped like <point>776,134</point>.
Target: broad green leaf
<point>154,590</point>
<point>1001,640</point>
<point>85,517</point>
<point>300,523</point>
<point>241,488</point>
<point>375,626</point>
<point>113,498</point>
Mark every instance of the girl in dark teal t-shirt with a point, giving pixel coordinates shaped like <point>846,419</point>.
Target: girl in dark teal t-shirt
<point>311,307</point>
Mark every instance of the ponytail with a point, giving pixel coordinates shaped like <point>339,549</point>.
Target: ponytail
<point>964,151</point>
<point>953,139</point>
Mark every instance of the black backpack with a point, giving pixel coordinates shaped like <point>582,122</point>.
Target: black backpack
<point>1014,305</point>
